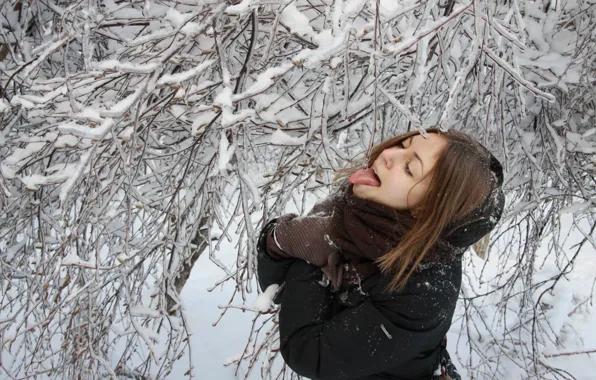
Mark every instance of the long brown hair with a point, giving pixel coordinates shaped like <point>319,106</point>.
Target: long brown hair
<point>460,182</point>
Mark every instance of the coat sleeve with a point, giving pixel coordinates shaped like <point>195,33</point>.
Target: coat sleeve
<point>355,343</point>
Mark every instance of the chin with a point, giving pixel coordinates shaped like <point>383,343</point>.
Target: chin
<point>363,191</point>
<point>358,190</point>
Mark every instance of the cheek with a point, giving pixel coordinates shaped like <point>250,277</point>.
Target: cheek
<point>397,187</point>
<point>403,191</point>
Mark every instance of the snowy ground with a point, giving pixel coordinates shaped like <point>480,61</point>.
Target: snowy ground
<point>214,345</point>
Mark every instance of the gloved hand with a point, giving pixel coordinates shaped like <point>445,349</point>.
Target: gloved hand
<point>344,274</point>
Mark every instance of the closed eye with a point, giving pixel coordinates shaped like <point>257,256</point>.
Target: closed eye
<point>407,165</point>
<point>408,171</point>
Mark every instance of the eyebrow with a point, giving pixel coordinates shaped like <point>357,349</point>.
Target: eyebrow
<point>417,156</point>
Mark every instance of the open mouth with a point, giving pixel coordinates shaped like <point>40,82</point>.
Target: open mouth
<point>375,175</point>
<point>366,177</point>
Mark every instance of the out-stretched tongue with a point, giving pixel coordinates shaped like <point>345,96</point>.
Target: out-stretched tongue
<point>365,177</point>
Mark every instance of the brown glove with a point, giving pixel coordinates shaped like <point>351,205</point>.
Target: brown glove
<point>301,237</point>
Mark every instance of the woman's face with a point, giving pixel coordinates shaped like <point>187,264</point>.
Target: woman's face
<point>403,171</point>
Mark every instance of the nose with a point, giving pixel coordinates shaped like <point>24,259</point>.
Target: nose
<point>390,156</point>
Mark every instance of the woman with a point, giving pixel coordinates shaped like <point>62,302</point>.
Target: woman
<point>391,243</point>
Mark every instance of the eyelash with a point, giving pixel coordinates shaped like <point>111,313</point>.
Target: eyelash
<point>408,171</point>
<point>406,167</point>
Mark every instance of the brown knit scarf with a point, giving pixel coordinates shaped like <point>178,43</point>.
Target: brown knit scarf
<point>344,234</point>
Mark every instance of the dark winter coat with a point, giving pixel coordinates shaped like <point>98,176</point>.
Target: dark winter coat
<point>365,333</point>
